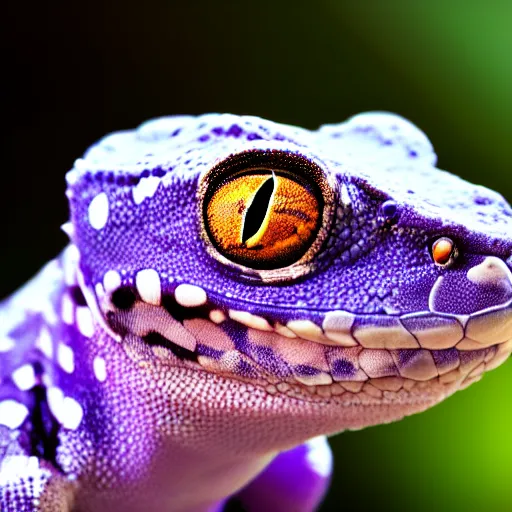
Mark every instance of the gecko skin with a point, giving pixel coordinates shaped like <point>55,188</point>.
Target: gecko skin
<point>233,291</point>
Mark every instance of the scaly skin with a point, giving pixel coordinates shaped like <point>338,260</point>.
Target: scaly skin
<point>157,364</point>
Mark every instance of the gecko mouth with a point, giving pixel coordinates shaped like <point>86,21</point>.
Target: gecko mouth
<point>328,353</point>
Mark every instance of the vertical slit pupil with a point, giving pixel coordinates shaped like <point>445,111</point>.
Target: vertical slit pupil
<point>255,214</point>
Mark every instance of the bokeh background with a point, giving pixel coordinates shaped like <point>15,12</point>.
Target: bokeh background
<point>73,71</point>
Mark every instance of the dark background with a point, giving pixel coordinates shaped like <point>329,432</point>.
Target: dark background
<point>73,71</point>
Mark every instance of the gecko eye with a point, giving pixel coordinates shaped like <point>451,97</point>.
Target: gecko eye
<point>264,218</point>
<point>266,210</point>
<point>444,252</point>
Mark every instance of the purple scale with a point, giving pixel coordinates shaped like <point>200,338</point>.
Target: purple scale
<point>237,333</point>
<point>267,359</point>
<point>467,356</point>
<point>406,356</point>
<point>244,369</point>
<point>343,369</point>
<point>158,172</point>
<point>446,357</point>
<point>306,370</point>
<point>234,131</point>
<point>262,355</point>
<point>205,350</point>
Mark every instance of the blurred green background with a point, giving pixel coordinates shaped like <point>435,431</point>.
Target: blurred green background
<point>72,71</point>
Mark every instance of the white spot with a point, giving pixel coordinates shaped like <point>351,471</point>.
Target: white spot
<point>14,468</point>
<point>100,292</point>
<point>72,413</point>
<point>24,377</point>
<point>66,358</point>
<point>55,397</point>
<point>92,303</point>
<point>98,211</point>
<point>250,320</point>
<point>148,286</point>
<point>217,316</point>
<point>345,197</point>
<point>44,342</point>
<point>84,321</point>
<point>100,369</point>
<point>111,281</point>
<point>67,310</point>
<point>12,413</point>
<point>319,456</point>
<point>190,296</point>
<point>67,410</point>
<point>6,344</point>
<point>70,259</point>
<point>145,188</point>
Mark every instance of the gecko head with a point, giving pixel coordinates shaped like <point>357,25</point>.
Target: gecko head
<point>334,265</point>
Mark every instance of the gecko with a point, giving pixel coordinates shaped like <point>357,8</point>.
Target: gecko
<point>235,290</point>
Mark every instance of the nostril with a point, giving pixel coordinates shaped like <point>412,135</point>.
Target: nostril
<point>492,271</point>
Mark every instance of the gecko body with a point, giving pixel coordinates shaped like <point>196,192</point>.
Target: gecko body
<point>234,290</point>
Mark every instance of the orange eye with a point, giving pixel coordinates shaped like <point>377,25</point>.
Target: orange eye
<point>444,251</point>
<point>263,219</point>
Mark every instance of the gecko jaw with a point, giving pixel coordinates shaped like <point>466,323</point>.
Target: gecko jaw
<point>184,328</point>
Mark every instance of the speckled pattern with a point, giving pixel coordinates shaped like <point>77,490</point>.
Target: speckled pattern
<point>144,370</point>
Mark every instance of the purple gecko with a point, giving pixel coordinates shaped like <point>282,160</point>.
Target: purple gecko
<point>234,290</point>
